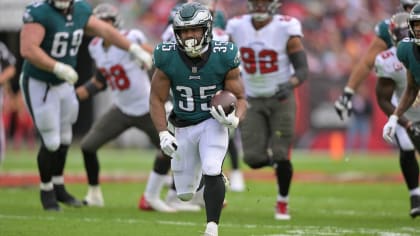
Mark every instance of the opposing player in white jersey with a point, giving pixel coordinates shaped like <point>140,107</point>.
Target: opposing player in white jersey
<point>7,71</point>
<point>390,86</point>
<point>274,63</point>
<point>130,88</point>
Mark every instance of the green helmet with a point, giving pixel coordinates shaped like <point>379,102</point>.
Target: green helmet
<point>414,17</point>
<point>189,16</point>
<point>408,3</point>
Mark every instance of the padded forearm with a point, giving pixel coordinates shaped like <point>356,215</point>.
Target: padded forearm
<point>300,63</point>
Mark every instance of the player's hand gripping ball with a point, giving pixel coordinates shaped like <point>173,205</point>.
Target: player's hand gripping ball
<point>226,99</point>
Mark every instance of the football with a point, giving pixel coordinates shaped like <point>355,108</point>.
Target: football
<point>226,99</point>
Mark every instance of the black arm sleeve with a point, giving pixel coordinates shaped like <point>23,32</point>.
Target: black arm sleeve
<point>300,63</point>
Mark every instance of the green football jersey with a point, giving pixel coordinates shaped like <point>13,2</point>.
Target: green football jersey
<point>409,54</point>
<point>382,31</point>
<point>63,35</point>
<point>193,86</point>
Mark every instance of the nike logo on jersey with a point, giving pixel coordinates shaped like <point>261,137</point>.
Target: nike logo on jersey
<point>194,77</point>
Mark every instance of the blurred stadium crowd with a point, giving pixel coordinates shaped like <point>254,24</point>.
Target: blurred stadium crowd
<point>337,33</point>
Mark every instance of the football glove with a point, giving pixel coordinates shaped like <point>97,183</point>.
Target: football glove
<point>230,120</point>
<point>389,129</point>
<point>284,90</point>
<point>168,143</point>
<point>142,57</point>
<point>65,72</point>
<point>343,103</point>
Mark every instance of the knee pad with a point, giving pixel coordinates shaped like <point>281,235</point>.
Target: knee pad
<point>51,141</point>
<point>185,196</point>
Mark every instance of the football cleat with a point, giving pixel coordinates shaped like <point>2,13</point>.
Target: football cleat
<point>49,200</point>
<point>237,183</point>
<point>211,229</point>
<point>94,197</point>
<point>282,211</point>
<point>415,206</point>
<point>64,197</point>
<point>173,201</point>
<point>146,204</point>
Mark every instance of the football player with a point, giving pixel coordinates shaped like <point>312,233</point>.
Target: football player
<point>382,41</point>
<point>193,69</point>
<point>237,182</point>
<point>49,43</point>
<point>7,71</point>
<point>404,121</point>
<point>130,87</point>
<point>274,63</point>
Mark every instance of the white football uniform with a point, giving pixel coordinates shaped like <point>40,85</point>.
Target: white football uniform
<point>388,66</point>
<point>265,62</point>
<point>129,83</point>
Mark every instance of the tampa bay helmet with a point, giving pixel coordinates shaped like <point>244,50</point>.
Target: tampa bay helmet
<point>398,27</point>
<point>405,4</point>
<point>414,17</point>
<point>106,11</point>
<point>61,4</point>
<point>190,16</point>
<point>261,10</point>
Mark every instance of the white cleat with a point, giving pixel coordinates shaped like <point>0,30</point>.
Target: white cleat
<point>154,204</point>
<point>94,197</point>
<point>211,229</point>
<point>173,201</point>
<point>237,183</point>
<point>282,211</point>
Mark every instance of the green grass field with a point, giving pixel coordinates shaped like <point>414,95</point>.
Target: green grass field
<point>360,195</point>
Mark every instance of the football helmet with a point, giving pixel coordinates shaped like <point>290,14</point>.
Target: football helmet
<point>61,4</point>
<point>261,10</point>
<point>210,4</point>
<point>398,27</point>
<point>190,16</point>
<point>414,17</point>
<point>408,3</point>
<point>106,11</point>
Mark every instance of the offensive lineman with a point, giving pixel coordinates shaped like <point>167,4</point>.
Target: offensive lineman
<point>49,43</point>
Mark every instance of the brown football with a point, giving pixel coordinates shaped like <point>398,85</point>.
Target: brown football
<point>226,99</point>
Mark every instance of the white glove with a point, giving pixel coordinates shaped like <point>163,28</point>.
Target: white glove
<point>388,132</point>
<point>168,143</point>
<point>65,72</point>
<point>142,57</point>
<point>231,120</point>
